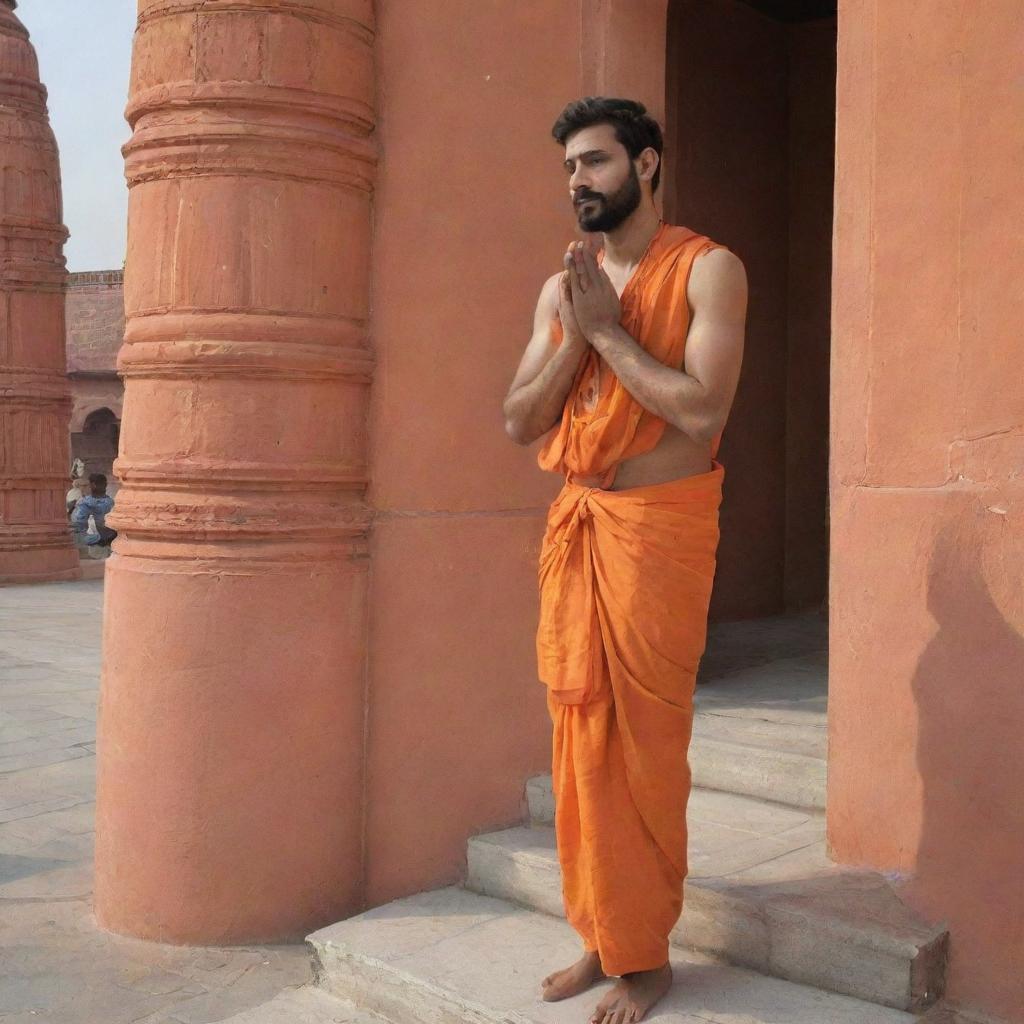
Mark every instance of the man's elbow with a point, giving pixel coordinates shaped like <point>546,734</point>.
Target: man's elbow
<point>517,429</point>
<point>702,429</point>
<point>517,432</point>
<point>517,425</point>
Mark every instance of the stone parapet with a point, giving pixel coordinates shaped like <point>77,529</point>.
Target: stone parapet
<point>84,278</point>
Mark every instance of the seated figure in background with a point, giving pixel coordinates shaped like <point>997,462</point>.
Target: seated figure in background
<point>95,504</point>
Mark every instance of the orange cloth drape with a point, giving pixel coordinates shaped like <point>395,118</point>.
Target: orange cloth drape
<point>602,423</point>
<point>625,582</point>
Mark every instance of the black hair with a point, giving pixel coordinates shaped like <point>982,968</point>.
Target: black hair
<point>99,480</point>
<point>634,127</point>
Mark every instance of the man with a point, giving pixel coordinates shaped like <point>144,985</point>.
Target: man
<point>96,504</point>
<point>632,368</point>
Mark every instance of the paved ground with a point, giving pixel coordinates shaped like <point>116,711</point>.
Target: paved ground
<point>56,967</point>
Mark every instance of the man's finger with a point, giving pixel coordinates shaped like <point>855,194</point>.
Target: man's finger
<point>576,286</point>
<point>594,271</point>
<point>570,273</point>
<point>571,260</point>
<point>565,287</point>
<point>580,267</point>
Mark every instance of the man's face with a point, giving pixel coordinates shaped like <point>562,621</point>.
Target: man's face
<point>603,183</point>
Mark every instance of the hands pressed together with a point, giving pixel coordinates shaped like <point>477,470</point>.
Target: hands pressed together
<point>588,304</point>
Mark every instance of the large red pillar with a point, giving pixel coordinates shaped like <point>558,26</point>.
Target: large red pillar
<point>35,402</point>
<point>231,720</point>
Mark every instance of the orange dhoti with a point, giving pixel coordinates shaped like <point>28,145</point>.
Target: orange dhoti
<point>625,580</point>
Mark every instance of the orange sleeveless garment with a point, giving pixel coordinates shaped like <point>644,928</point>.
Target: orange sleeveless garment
<point>625,581</point>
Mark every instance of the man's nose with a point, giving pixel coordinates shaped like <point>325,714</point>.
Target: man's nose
<point>578,182</point>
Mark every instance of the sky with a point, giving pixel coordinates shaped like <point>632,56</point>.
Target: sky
<point>84,49</point>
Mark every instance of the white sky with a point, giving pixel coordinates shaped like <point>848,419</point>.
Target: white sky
<point>84,49</point>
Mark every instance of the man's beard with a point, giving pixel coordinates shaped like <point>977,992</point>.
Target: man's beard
<point>612,210</point>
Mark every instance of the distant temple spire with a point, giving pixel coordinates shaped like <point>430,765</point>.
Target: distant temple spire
<point>35,543</point>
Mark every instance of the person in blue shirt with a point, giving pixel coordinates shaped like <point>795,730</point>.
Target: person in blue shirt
<point>96,504</point>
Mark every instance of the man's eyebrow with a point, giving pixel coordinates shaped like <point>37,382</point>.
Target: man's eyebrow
<point>569,160</point>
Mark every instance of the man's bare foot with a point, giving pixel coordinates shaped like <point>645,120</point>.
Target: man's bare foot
<point>633,996</point>
<point>572,980</point>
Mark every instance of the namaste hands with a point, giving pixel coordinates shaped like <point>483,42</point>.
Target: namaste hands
<point>586,295</point>
<point>571,333</point>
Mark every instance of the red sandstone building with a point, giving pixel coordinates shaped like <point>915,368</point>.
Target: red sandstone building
<point>340,216</point>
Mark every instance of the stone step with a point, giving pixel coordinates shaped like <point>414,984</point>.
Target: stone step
<point>307,1005</point>
<point>729,766</point>
<point>763,731</point>
<point>738,645</point>
<point>759,733</point>
<point>456,957</point>
<point>754,770</point>
<point>805,739</point>
<point>761,893</point>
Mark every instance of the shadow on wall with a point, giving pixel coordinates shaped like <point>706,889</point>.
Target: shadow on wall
<point>969,689</point>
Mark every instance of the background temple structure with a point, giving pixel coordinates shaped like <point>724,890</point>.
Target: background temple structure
<point>34,399</point>
<point>319,675</point>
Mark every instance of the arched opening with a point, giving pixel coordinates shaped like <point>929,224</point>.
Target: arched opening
<point>96,444</point>
<point>751,125</point>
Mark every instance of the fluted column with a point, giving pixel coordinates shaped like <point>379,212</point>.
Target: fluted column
<point>232,707</point>
<point>35,401</point>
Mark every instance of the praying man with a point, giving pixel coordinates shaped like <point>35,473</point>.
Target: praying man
<point>630,372</point>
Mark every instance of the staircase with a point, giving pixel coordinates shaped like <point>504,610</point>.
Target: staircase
<point>772,932</point>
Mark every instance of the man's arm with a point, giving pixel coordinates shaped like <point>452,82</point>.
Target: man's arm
<point>537,396</point>
<point>82,510</point>
<point>696,399</point>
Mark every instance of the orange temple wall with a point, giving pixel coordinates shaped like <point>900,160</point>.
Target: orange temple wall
<point>400,655</point>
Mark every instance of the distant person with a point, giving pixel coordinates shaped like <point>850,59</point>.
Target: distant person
<point>95,504</point>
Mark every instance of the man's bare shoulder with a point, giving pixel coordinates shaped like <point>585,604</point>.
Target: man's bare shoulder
<point>718,278</point>
<point>547,307</point>
<point>549,293</point>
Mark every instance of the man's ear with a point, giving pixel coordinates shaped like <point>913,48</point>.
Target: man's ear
<point>648,161</point>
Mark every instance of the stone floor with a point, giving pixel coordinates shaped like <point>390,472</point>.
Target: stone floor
<point>735,646</point>
<point>56,966</point>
